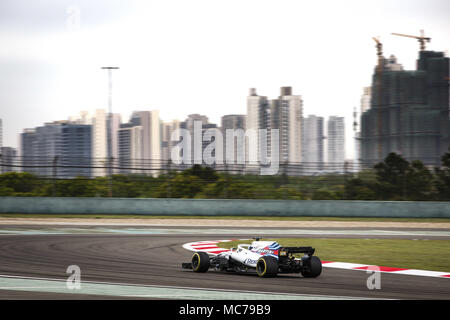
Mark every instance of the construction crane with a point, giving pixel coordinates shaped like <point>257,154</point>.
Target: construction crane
<point>379,47</point>
<point>422,39</point>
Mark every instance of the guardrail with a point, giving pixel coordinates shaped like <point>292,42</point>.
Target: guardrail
<point>225,207</point>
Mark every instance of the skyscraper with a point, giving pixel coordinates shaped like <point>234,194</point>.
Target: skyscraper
<point>283,114</point>
<point>234,142</point>
<point>364,106</point>
<point>100,140</point>
<point>189,122</point>
<point>99,143</point>
<point>313,151</point>
<point>151,143</point>
<point>192,124</point>
<point>8,160</point>
<point>130,148</point>
<point>233,121</point>
<point>336,142</point>
<point>116,120</point>
<point>139,143</point>
<point>27,150</point>
<point>167,128</point>
<point>365,99</point>
<point>409,112</point>
<point>76,150</point>
<point>258,117</point>
<point>59,142</point>
<point>286,114</point>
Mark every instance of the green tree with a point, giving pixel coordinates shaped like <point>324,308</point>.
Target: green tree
<point>6,192</point>
<point>20,183</point>
<point>181,186</point>
<point>359,189</point>
<point>398,179</point>
<point>288,193</point>
<point>76,187</point>
<point>325,194</point>
<point>392,177</point>
<point>419,182</point>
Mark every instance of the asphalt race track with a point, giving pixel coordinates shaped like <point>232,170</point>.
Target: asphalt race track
<point>150,264</point>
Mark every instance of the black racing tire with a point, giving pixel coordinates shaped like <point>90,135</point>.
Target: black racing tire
<point>315,268</point>
<point>200,262</point>
<point>267,267</point>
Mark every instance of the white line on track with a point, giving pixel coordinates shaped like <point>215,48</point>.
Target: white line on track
<point>8,282</point>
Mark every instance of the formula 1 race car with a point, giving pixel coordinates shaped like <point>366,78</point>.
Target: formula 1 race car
<point>267,258</point>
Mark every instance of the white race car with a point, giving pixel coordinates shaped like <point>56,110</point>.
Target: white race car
<point>267,258</point>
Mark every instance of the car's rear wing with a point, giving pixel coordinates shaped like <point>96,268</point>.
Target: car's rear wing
<point>288,250</point>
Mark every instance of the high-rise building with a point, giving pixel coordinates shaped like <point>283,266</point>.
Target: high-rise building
<point>130,148</point>
<point>99,143</point>
<point>365,99</point>
<point>286,115</point>
<point>233,121</point>
<point>76,149</point>
<point>139,143</point>
<point>313,151</point>
<point>364,106</point>
<point>151,143</point>
<point>167,128</point>
<point>189,122</point>
<point>192,123</point>
<point>258,117</point>
<point>100,127</point>
<point>28,149</point>
<point>409,112</point>
<point>233,131</point>
<point>336,142</point>
<point>116,120</point>
<point>57,143</point>
<point>8,160</point>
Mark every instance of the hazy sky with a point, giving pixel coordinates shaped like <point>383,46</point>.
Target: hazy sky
<point>199,56</point>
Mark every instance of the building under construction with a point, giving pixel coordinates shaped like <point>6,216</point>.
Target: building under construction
<point>409,110</point>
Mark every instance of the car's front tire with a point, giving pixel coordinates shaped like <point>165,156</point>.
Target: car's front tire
<point>200,262</point>
<point>315,268</point>
<point>267,267</point>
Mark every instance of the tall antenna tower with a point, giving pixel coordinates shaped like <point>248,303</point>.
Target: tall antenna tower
<point>109,128</point>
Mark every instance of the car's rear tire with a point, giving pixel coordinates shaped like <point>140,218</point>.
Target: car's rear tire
<point>200,262</point>
<point>267,267</point>
<point>315,268</point>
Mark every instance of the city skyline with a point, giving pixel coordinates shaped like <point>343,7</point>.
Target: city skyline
<point>277,113</point>
<point>51,67</point>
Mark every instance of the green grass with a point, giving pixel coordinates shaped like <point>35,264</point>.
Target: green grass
<point>414,254</point>
<point>279,218</point>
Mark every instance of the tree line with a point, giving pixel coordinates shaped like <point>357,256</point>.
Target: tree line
<point>392,179</point>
